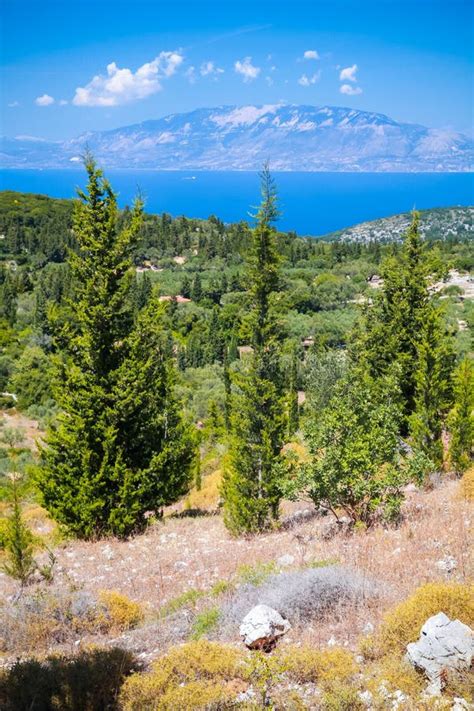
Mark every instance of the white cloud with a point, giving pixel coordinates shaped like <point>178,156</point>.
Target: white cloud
<point>63,102</point>
<point>310,54</point>
<point>13,104</point>
<point>44,100</point>
<point>348,73</point>
<point>307,81</point>
<point>350,90</point>
<point>121,86</point>
<point>190,74</point>
<point>210,69</point>
<point>247,69</point>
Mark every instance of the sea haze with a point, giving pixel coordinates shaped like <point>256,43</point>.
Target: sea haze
<point>311,203</point>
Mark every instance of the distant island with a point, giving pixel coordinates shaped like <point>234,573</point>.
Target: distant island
<point>293,137</point>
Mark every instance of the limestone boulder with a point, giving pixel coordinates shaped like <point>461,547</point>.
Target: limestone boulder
<point>262,626</point>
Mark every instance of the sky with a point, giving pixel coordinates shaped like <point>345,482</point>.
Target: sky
<point>74,66</point>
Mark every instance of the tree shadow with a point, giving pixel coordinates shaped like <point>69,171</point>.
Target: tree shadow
<point>90,681</point>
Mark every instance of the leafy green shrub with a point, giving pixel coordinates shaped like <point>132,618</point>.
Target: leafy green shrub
<point>355,463</point>
<point>187,599</point>
<point>205,622</point>
<point>256,574</point>
<point>88,682</point>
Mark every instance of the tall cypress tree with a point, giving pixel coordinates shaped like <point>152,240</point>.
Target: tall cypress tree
<point>293,407</point>
<point>120,448</point>
<point>250,486</point>
<point>391,329</point>
<point>432,378</point>
<point>461,417</point>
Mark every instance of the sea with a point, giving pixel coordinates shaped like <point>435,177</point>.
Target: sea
<point>310,203</point>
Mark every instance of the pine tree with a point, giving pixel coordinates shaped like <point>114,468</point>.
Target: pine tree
<point>250,485</point>
<point>120,448</point>
<point>432,378</point>
<point>461,417</point>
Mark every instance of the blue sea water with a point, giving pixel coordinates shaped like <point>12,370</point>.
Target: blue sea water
<point>311,203</point>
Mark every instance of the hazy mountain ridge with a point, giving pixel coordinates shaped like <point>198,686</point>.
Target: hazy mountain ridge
<point>292,137</point>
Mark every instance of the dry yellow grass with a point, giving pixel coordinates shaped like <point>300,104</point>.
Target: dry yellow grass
<point>403,623</point>
<point>467,485</point>
<point>122,613</point>
<point>191,676</point>
<point>208,496</point>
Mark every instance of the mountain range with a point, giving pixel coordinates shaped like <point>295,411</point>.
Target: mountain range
<point>291,137</point>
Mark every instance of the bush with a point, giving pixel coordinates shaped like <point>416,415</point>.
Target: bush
<point>403,624</point>
<point>393,673</point>
<point>122,613</point>
<point>299,596</point>
<point>187,599</point>
<point>189,677</point>
<point>323,667</point>
<point>354,447</point>
<point>256,574</point>
<point>89,682</point>
<point>205,622</point>
<point>467,485</point>
<point>36,621</point>
<point>343,698</point>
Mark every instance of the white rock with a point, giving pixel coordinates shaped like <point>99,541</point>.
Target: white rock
<point>332,641</point>
<point>366,697</point>
<point>108,553</point>
<point>368,628</point>
<point>262,626</point>
<point>444,644</point>
<point>447,565</point>
<point>285,560</point>
<point>460,704</point>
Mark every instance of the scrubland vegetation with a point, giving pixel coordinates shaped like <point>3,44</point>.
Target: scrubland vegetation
<point>198,418</point>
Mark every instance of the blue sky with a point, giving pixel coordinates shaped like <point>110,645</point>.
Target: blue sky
<point>70,67</point>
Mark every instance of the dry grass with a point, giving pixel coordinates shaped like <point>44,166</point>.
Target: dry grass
<point>182,554</point>
<point>467,485</point>
<point>208,496</point>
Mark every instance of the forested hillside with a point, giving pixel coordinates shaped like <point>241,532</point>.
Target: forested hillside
<point>206,417</point>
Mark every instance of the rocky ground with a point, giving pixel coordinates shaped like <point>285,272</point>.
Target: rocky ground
<point>192,556</point>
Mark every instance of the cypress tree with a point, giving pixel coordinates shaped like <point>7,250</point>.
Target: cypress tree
<point>250,486</point>
<point>432,386</point>
<point>197,288</point>
<point>8,300</point>
<point>392,327</point>
<point>293,408</point>
<point>120,448</point>
<point>461,417</point>
<point>227,392</point>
